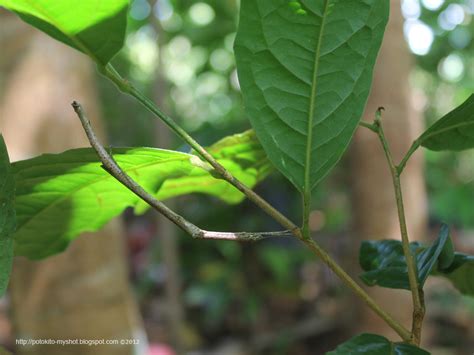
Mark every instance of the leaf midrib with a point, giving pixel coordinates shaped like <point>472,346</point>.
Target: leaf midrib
<point>306,182</point>
<point>439,131</point>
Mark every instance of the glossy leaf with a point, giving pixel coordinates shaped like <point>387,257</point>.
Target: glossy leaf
<point>7,217</point>
<point>372,344</point>
<point>441,251</point>
<point>94,27</point>
<point>385,265</point>
<point>305,69</point>
<point>454,131</point>
<point>62,195</point>
<point>460,273</point>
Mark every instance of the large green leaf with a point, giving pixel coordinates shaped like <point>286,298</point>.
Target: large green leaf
<point>372,344</point>
<point>95,27</point>
<point>454,131</point>
<point>385,265</point>
<point>305,69</point>
<point>62,195</point>
<point>7,217</point>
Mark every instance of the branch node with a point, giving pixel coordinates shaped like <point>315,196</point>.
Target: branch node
<point>378,115</point>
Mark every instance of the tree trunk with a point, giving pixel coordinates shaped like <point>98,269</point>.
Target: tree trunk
<point>375,210</point>
<point>82,293</point>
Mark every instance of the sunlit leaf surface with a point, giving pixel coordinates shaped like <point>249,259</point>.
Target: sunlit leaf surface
<point>95,27</point>
<point>62,195</point>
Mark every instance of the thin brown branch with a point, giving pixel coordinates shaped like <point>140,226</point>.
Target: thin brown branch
<point>111,166</point>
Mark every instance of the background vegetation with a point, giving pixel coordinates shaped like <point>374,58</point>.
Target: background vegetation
<point>180,53</point>
<point>174,50</point>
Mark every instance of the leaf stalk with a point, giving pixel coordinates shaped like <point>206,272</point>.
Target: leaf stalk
<point>416,291</point>
<point>416,144</point>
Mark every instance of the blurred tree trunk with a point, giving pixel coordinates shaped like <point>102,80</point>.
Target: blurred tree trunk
<point>84,292</point>
<point>375,211</point>
<point>169,243</point>
<point>166,232</point>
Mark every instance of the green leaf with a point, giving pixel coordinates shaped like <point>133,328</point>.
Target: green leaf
<point>241,154</point>
<point>305,69</point>
<point>7,217</point>
<point>372,344</point>
<point>460,273</point>
<point>446,257</point>
<point>62,195</point>
<point>94,27</point>
<point>385,265</point>
<point>454,131</point>
<point>441,251</point>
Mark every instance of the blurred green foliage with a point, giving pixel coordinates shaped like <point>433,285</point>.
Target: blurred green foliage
<point>443,79</point>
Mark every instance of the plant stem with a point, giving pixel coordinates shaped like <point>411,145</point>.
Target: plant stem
<point>306,212</point>
<point>128,88</point>
<point>418,304</point>
<point>416,144</point>
<point>349,281</point>
<point>368,125</point>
